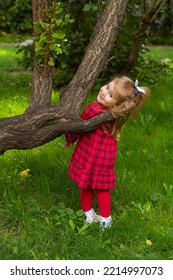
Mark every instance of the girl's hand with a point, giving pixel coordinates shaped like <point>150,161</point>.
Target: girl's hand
<point>67,145</point>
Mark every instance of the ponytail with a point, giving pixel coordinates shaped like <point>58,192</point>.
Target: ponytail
<point>139,100</point>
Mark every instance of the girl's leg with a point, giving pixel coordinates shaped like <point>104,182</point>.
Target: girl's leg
<point>86,198</point>
<point>104,202</point>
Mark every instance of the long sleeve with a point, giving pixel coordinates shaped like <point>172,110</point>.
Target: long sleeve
<point>92,110</point>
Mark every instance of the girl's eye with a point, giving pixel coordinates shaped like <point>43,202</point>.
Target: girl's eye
<point>110,95</point>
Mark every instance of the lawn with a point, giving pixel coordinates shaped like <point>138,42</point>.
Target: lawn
<point>40,215</point>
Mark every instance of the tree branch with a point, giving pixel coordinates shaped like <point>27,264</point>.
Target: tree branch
<point>32,130</point>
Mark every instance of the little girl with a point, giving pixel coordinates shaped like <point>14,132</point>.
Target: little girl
<point>92,162</point>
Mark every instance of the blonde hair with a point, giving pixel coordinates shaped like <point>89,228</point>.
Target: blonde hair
<point>130,103</point>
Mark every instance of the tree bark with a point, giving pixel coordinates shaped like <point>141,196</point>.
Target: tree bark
<point>96,56</point>
<point>42,76</point>
<point>42,122</point>
<point>35,129</point>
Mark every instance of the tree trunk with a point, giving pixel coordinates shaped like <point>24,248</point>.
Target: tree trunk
<point>148,15</point>
<point>42,122</point>
<point>41,87</point>
<point>42,77</point>
<point>132,55</point>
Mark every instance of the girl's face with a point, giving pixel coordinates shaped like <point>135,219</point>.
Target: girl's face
<point>109,95</point>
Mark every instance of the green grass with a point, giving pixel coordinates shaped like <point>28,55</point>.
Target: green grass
<point>160,52</point>
<point>39,213</point>
<point>15,83</point>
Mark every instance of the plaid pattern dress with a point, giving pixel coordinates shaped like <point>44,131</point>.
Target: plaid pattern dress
<point>92,162</point>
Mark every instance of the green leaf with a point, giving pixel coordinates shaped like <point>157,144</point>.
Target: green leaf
<point>61,205</point>
<point>71,20</point>
<point>43,37</point>
<point>38,46</point>
<point>52,46</point>
<point>59,35</point>
<point>72,225</point>
<point>79,213</point>
<point>58,50</point>
<point>51,62</point>
<point>37,29</point>
<point>58,10</point>
<point>69,211</point>
<point>87,7</point>
<point>58,21</point>
<point>44,25</point>
<point>83,229</point>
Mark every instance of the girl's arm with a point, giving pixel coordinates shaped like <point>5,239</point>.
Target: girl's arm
<point>90,111</point>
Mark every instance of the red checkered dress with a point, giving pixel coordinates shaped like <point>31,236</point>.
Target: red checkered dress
<point>92,162</point>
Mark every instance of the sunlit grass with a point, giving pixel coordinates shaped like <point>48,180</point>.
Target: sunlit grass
<point>39,212</point>
<point>15,89</point>
<point>15,83</point>
<point>7,56</point>
<point>160,53</point>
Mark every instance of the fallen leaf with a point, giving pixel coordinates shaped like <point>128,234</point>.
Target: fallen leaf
<point>24,172</point>
<point>148,242</point>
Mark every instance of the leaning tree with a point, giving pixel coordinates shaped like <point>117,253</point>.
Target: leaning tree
<point>43,122</point>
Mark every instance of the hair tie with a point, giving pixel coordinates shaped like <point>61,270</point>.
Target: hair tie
<point>137,88</point>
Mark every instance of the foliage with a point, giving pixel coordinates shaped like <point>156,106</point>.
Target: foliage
<point>151,62</point>
<point>163,23</point>
<point>78,35</point>
<point>51,36</point>
<point>69,38</point>
<point>24,55</point>
<point>15,16</point>
<point>162,40</point>
<point>127,36</point>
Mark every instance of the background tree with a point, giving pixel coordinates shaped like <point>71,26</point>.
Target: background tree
<point>42,122</point>
<point>144,22</point>
<point>148,11</point>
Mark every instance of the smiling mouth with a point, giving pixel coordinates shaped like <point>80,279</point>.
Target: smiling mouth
<point>101,97</point>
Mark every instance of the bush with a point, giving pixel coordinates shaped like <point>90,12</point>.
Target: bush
<point>16,16</point>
